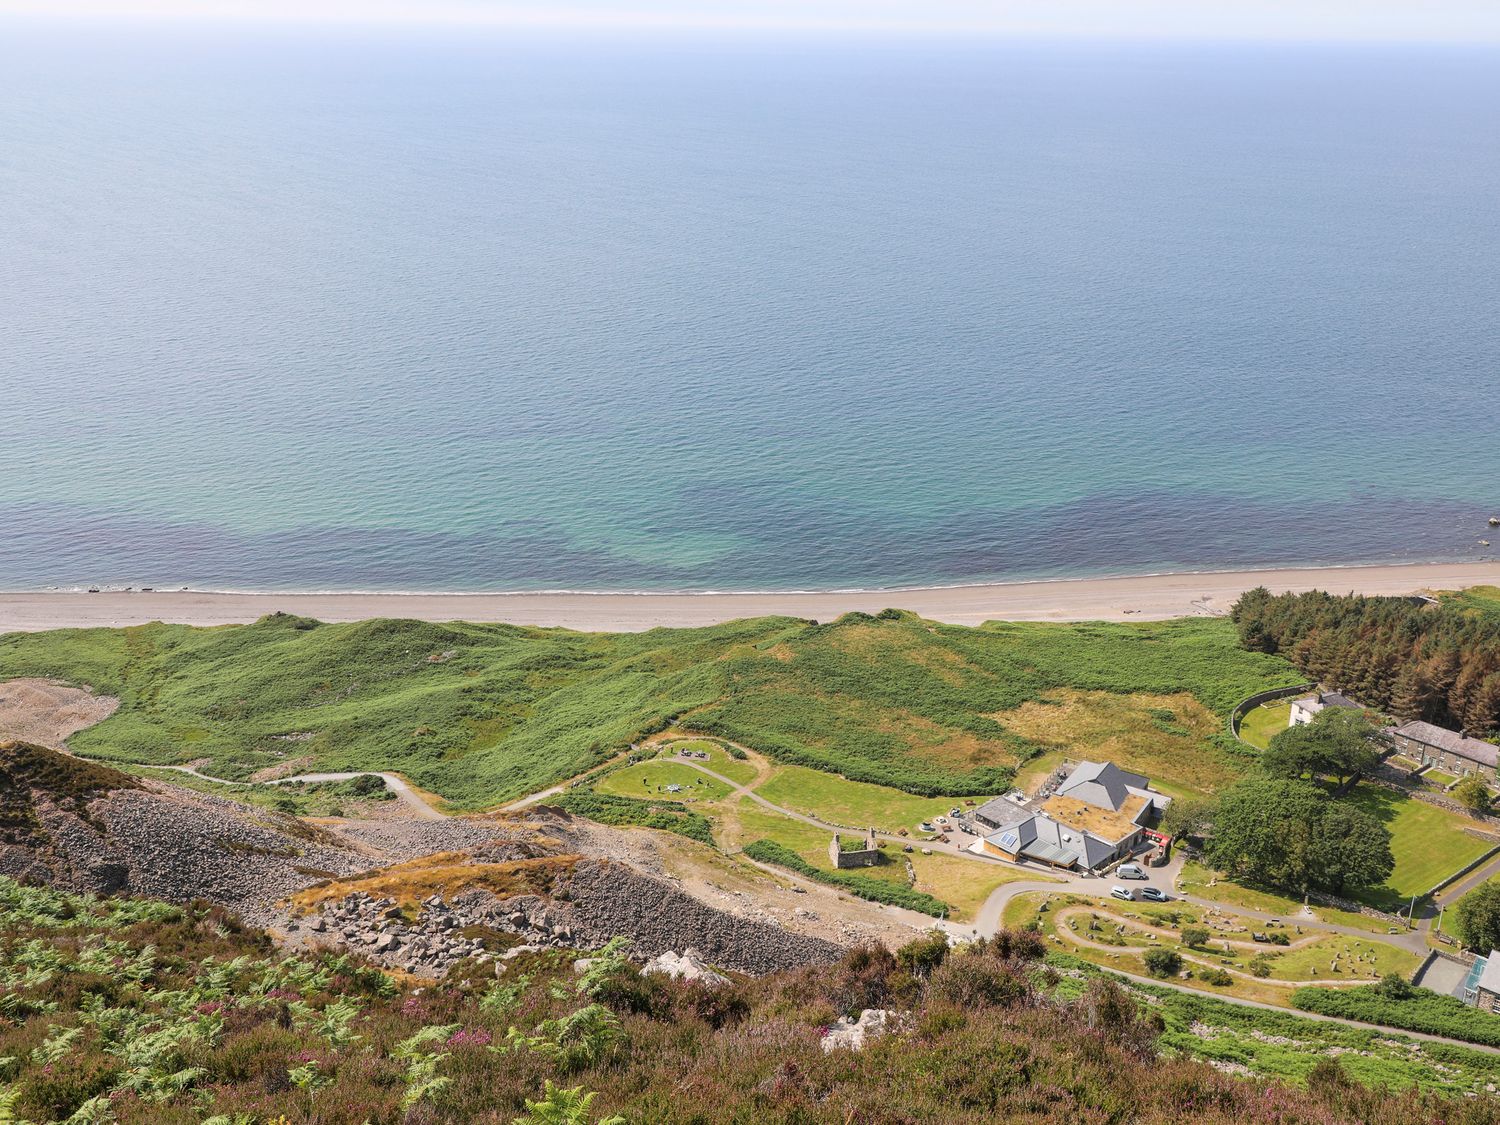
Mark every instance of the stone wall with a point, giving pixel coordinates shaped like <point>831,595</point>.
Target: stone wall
<point>867,856</point>
<point>1245,706</point>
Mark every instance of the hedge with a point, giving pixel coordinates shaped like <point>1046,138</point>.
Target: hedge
<point>861,886</point>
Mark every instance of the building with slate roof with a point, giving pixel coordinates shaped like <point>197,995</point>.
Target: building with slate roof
<point>1447,750</point>
<point>1098,814</point>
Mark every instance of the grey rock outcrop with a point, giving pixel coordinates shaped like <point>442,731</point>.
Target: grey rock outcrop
<point>852,1035</point>
<point>687,966</point>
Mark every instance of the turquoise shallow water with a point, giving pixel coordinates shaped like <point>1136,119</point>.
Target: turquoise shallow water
<point>472,313</point>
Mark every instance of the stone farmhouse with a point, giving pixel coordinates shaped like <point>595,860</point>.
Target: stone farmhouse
<point>1447,750</point>
<point>1306,709</point>
<point>1098,814</point>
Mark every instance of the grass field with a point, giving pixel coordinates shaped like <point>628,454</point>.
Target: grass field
<point>719,759</point>
<point>856,804</point>
<point>1203,883</point>
<point>650,779</point>
<point>1170,738</point>
<point>1427,842</point>
<point>479,714</point>
<point>1128,931</point>
<point>1483,601</point>
<point>1265,722</point>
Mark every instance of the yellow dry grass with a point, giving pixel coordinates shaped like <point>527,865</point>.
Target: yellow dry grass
<point>1104,726</point>
<point>445,874</point>
<point>1104,823</point>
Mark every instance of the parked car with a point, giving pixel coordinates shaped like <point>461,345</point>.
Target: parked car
<point>1122,892</point>
<point>955,812</point>
<point>1151,894</point>
<point>1131,871</point>
<point>926,826</point>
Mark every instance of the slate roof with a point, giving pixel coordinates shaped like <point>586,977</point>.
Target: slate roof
<point>1489,979</point>
<point>1485,753</point>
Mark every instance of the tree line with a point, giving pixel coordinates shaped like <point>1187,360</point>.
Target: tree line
<point>1285,828</point>
<point>1410,658</point>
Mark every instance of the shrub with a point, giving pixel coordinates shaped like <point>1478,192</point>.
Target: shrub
<point>1163,962</point>
<point>668,816</point>
<point>921,955</point>
<point>1423,1010</point>
<point>1215,976</point>
<point>1194,937</point>
<point>1260,966</point>
<point>975,980</point>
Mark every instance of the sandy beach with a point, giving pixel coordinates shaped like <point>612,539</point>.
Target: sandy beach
<point>1143,598</point>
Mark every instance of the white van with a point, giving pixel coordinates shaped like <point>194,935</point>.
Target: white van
<point>1131,871</point>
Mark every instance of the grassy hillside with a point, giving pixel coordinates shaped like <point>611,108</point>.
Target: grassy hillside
<point>140,1013</point>
<point>482,713</point>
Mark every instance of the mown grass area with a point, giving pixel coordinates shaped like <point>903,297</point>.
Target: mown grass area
<point>963,883</point>
<point>1202,882</point>
<point>1116,935</point>
<point>649,780</point>
<point>479,714</point>
<point>1428,843</point>
<point>720,760</point>
<point>856,804</point>
<point>1265,722</point>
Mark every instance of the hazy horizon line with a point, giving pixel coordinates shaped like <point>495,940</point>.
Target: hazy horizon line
<point>594,21</point>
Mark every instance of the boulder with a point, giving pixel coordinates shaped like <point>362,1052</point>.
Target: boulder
<point>852,1034</point>
<point>689,965</point>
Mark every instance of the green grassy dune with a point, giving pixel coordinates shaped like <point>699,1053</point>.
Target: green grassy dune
<point>482,713</point>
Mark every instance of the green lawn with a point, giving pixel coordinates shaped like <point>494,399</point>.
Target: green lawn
<point>1265,722</point>
<point>856,804</point>
<point>1428,843</point>
<point>650,779</point>
<point>1195,880</point>
<point>719,760</point>
<point>757,823</point>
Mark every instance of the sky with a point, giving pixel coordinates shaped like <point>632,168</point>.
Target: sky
<point>1476,21</point>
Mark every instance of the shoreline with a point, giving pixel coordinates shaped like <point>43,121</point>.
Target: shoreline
<point>1147,597</point>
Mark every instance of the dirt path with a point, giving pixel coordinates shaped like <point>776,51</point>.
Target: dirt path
<point>1104,947</point>
<point>397,785</point>
<point>1317,1017</point>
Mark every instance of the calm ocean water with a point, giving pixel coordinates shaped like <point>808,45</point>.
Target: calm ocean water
<point>474,313</point>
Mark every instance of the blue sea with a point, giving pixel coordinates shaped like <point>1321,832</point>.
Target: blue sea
<point>473,311</point>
